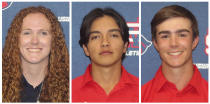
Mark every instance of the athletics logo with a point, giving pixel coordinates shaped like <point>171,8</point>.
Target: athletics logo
<point>133,47</point>
<point>6,5</point>
<point>145,44</point>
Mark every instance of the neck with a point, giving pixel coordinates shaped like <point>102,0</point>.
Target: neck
<point>180,76</point>
<point>34,73</point>
<point>106,76</point>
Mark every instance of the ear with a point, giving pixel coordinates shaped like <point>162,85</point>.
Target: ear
<point>85,50</point>
<point>155,44</point>
<point>125,47</point>
<point>195,42</point>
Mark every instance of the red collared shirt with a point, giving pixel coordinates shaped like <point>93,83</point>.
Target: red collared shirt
<point>85,89</point>
<point>161,90</point>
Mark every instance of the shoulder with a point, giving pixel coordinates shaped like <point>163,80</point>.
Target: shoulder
<point>76,85</point>
<point>79,78</point>
<point>77,82</point>
<point>147,86</point>
<point>200,80</point>
<point>128,77</point>
<point>205,84</point>
<point>133,78</point>
<point>146,90</point>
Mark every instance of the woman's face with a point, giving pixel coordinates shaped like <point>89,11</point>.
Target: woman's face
<point>35,39</point>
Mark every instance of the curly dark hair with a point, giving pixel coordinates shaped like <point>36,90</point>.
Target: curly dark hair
<point>56,82</point>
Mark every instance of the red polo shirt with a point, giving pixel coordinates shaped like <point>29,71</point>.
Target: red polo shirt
<point>161,90</point>
<point>85,89</point>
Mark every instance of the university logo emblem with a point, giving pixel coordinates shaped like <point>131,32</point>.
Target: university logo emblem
<point>145,44</point>
<point>6,5</point>
<point>133,47</point>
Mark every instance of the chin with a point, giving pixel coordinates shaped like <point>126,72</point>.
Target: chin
<point>175,65</point>
<point>34,61</point>
<point>107,63</point>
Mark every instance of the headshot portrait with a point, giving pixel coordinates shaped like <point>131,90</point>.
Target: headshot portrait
<point>35,57</point>
<point>175,63</point>
<point>105,65</point>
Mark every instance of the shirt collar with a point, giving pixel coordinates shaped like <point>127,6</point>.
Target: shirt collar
<point>194,82</point>
<point>26,84</point>
<point>125,77</point>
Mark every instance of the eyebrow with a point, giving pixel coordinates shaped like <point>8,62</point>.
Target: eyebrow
<point>114,30</point>
<point>39,30</point>
<point>182,30</point>
<point>94,32</point>
<point>178,31</point>
<point>26,29</point>
<point>164,32</point>
<point>111,30</point>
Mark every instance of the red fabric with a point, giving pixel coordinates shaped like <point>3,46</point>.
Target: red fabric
<point>4,4</point>
<point>85,89</point>
<point>161,90</point>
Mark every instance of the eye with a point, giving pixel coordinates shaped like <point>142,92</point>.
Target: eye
<point>44,33</point>
<point>115,35</point>
<point>95,37</point>
<point>164,36</point>
<point>26,33</point>
<point>182,35</point>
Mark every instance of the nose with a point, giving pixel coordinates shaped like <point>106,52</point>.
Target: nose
<point>35,39</point>
<point>105,42</point>
<point>173,41</point>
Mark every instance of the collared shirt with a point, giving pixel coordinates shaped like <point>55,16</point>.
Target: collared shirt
<point>29,94</point>
<point>161,90</point>
<point>85,89</point>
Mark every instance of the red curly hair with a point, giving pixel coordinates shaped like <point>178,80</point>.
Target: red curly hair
<point>56,82</point>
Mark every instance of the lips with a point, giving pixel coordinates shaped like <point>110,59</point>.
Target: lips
<point>175,53</point>
<point>105,53</point>
<point>34,49</point>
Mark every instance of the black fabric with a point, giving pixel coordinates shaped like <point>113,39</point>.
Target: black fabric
<point>29,94</point>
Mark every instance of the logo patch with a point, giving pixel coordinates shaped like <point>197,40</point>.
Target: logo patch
<point>6,5</point>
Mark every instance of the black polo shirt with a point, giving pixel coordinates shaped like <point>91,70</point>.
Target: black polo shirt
<point>29,94</point>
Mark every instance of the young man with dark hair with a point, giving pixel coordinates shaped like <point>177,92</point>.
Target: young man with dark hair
<point>104,38</point>
<point>175,36</point>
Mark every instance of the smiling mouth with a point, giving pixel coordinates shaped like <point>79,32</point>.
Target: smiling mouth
<point>175,53</point>
<point>34,49</point>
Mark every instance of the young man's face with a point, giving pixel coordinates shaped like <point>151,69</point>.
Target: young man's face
<point>105,46</point>
<point>175,41</point>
